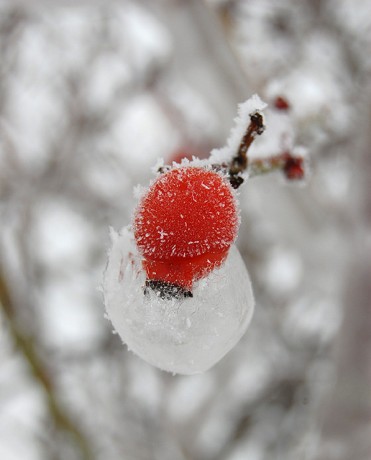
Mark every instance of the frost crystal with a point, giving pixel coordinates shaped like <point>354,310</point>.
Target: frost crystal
<point>187,335</point>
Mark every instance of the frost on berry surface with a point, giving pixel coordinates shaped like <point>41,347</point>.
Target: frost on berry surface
<point>185,224</point>
<point>187,212</point>
<point>187,335</point>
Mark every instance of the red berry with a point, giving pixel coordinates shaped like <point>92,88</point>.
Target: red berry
<point>185,225</point>
<point>281,103</point>
<point>294,168</point>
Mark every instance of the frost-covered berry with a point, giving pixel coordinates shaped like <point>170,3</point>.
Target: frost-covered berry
<point>185,225</point>
<point>181,239</point>
<point>176,288</point>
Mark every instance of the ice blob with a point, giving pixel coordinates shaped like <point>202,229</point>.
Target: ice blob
<point>179,335</point>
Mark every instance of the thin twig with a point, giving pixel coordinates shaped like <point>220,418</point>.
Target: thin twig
<point>256,127</point>
<point>240,162</point>
<point>292,166</point>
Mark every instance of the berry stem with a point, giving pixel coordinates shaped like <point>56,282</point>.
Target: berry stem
<point>256,127</point>
<point>240,162</point>
<point>291,166</point>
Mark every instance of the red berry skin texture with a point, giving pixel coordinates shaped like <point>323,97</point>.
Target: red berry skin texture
<point>185,225</point>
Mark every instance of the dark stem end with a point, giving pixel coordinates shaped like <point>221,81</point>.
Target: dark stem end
<point>166,290</point>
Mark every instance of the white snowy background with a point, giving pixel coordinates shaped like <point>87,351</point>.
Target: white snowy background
<point>91,95</point>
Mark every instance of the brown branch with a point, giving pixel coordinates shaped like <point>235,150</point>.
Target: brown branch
<point>292,166</point>
<point>27,348</point>
<point>256,127</point>
<point>240,162</point>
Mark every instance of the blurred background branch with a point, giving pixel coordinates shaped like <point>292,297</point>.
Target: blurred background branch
<point>28,349</point>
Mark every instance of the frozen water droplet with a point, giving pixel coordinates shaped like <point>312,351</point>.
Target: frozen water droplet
<point>186,335</point>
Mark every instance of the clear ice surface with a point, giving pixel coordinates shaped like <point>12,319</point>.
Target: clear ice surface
<point>185,336</point>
